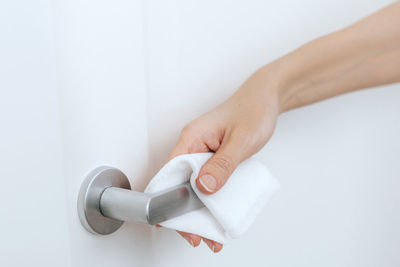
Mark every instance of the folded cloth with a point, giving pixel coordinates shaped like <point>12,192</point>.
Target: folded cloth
<point>229,212</point>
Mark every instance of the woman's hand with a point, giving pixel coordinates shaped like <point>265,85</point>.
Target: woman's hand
<point>234,130</point>
<point>365,54</point>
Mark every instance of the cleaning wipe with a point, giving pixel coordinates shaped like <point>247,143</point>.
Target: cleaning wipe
<point>229,212</point>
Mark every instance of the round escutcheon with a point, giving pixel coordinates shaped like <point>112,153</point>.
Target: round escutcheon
<point>89,199</point>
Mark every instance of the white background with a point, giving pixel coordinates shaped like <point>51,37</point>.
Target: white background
<point>85,83</point>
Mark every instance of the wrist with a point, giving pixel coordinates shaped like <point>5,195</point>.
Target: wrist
<point>280,84</point>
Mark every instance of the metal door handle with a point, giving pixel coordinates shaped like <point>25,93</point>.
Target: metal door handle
<point>105,201</point>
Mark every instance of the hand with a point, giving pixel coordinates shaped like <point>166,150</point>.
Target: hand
<point>347,60</point>
<point>234,130</point>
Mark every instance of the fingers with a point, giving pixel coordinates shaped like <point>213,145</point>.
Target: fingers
<point>192,239</point>
<point>217,170</point>
<point>189,142</point>
<point>220,165</point>
<point>213,245</point>
<point>182,147</point>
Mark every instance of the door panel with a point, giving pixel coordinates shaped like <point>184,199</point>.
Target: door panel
<point>103,112</point>
<point>32,193</point>
<point>89,83</point>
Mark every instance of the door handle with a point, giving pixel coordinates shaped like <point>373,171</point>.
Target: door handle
<point>106,200</point>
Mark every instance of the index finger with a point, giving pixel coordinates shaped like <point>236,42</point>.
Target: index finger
<point>179,149</point>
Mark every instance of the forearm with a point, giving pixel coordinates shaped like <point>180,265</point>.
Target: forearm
<point>363,55</point>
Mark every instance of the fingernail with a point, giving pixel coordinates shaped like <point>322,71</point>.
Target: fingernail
<point>190,241</point>
<point>208,182</point>
<point>211,245</point>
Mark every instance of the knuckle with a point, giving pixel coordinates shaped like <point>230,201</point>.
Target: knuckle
<point>187,130</point>
<point>223,163</point>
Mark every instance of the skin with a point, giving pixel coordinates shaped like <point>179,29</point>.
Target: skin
<point>363,55</point>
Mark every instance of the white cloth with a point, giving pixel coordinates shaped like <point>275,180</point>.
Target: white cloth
<point>228,212</point>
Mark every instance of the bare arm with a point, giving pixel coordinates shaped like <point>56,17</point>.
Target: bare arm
<point>362,55</point>
<point>365,54</point>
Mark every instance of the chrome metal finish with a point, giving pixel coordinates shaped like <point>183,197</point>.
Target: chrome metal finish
<point>89,199</point>
<point>125,205</point>
<point>172,202</point>
<point>105,201</point>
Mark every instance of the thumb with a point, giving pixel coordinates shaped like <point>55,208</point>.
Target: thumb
<point>217,170</point>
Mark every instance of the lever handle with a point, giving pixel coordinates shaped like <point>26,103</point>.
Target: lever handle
<point>105,201</point>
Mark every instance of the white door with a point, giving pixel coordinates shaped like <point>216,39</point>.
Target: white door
<point>87,83</point>
<point>34,222</point>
